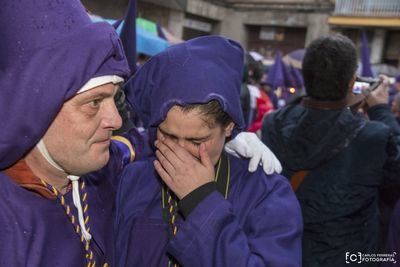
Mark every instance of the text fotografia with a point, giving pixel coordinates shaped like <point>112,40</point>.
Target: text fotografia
<point>359,257</point>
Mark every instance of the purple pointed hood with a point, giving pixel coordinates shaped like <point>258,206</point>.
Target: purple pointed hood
<point>366,69</point>
<point>194,72</point>
<point>128,35</point>
<point>49,49</point>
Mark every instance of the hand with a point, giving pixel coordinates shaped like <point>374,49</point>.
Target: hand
<point>381,94</point>
<point>248,145</point>
<point>179,169</point>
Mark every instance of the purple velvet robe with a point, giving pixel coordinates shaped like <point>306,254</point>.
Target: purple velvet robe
<point>259,224</point>
<point>35,231</point>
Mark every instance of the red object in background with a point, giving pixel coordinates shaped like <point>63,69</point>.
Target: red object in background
<point>264,107</point>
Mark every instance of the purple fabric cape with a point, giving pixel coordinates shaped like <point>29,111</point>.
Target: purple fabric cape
<point>37,232</point>
<point>197,71</point>
<point>260,223</point>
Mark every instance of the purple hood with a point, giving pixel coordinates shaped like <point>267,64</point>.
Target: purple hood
<point>48,51</point>
<point>194,72</point>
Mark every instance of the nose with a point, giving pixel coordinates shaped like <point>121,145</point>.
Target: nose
<point>112,120</point>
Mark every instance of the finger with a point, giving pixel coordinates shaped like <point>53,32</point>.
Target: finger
<point>254,161</point>
<point>278,166</point>
<point>273,162</point>
<point>204,157</point>
<point>267,163</point>
<point>168,153</point>
<point>384,85</point>
<point>230,150</point>
<point>162,173</point>
<point>384,79</point>
<point>165,163</point>
<point>179,151</point>
<point>269,168</point>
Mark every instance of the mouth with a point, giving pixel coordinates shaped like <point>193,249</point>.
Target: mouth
<point>103,141</point>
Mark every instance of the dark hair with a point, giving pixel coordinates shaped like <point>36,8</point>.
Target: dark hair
<point>328,67</point>
<point>213,112</point>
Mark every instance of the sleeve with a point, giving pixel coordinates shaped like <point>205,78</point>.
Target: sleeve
<point>270,235</point>
<point>268,133</point>
<point>382,113</point>
<point>130,146</point>
<point>392,164</point>
<point>187,204</point>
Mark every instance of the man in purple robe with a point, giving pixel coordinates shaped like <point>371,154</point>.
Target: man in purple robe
<point>58,76</point>
<point>59,166</point>
<point>194,205</point>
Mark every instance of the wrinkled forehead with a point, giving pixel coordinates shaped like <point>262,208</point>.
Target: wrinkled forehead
<point>192,120</point>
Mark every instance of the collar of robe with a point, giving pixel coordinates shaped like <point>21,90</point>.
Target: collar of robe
<point>170,201</point>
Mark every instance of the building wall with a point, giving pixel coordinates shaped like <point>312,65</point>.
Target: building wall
<point>301,21</point>
<point>236,24</point>
<point>317,25</point>
<point>109,9</point>
<point>226,21</point>
<point>391,51</point>
<point>153,12</point>
<point>287,39</point>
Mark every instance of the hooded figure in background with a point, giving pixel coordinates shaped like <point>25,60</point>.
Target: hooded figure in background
<point>336,159</point>
<point>193,204</point>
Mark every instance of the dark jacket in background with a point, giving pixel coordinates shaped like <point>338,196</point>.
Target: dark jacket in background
<point>349,161</point>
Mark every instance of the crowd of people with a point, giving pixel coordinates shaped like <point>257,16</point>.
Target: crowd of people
<point>195,187</point>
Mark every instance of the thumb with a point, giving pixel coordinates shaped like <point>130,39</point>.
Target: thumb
<point>204,157</point>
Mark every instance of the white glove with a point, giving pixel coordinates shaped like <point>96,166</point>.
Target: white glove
<point>248,145</point>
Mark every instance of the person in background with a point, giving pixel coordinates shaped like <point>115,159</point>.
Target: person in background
<point>264,106</point>
<point>338,162</point>
<point>195,205</point>
<point>396,107</point>
<point>267,88</point>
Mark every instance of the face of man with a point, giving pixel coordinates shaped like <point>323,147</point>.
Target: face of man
<point>79,138</point>
<point>189,130</point>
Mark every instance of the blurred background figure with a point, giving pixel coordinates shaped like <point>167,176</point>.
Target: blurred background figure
<point>396,107</point>
<point>343,167</point>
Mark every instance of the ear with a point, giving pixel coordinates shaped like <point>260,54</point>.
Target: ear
<point>351,83</point>
<point>229,129</point>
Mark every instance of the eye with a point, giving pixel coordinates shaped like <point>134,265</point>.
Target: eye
<point>196,143</point>
<point>95,103</point>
